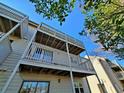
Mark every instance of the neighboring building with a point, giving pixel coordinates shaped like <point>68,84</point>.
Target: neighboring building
<point>118,71</point>
<point>38,59</point>
<point>108,76</point>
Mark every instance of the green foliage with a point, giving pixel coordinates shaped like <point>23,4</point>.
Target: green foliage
<point>54,9</point>
<point>103,17</point>
<point>107,21</point>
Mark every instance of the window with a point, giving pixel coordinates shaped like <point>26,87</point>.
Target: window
<point>34,87</point>
<point>41,54</point>
<point>78,87</point>
<point>48,56</point>
<point>37,53</point>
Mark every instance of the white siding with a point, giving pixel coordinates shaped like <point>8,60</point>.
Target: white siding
<point>4,49</point>
<point>64,86</point>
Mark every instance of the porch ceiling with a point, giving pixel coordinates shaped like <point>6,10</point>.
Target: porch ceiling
<point>40,70</point>
<point>7,24</point>
<point>56,43</point>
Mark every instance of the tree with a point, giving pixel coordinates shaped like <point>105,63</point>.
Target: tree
<point>54,9</point>
<point>103,17</point>
<point>107,22</point>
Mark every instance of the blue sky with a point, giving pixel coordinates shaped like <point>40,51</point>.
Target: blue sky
<point>72,26</point>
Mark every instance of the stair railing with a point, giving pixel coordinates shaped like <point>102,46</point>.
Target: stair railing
<point>18,64</point>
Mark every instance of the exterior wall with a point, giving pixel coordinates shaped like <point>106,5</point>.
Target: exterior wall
<point>93,84</point>
<point>86,86</point>
<point>112,77</point>
<point>64,86</point>
<point>4,49</point>
<point>106,76</point>
<point>15,84</point>
<point>19,45</point>
<point>55,86</point>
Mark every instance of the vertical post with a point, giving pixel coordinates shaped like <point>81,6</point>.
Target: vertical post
<point>29,44</point>
<point>71,75</point>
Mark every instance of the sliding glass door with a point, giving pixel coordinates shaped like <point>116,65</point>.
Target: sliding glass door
<point>35,87</point>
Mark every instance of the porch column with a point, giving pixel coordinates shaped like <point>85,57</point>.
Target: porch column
<point>71,74</point>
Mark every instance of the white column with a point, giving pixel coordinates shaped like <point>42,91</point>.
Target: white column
<point>71,75</point>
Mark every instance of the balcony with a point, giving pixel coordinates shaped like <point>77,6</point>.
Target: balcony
<point>11,13</point>
<point>45,58</point>
<point>120,75</point>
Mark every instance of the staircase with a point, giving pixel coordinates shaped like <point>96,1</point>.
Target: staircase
<point>10,63</point>
<point>7,67</point>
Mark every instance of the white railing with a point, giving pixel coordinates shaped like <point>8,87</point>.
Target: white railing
<point>10,13</point>
<point>17,66</point>
<point>86,66</point>
<point>85,63</point>
<point>36,53</point>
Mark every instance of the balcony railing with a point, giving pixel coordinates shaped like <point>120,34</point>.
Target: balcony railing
<point>61,35</point>
<point>87,66</point>
<point>36,53</point>
<point>10,12</point>
<point>39,55</point>
<point>120,75</point>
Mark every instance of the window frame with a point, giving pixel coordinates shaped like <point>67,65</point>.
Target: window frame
<point>33,81</point>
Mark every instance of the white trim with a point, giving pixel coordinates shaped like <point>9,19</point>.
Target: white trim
<point>10,78</point>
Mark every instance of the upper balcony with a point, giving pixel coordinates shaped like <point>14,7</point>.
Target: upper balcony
<point>51,37</point>
<point>10,13</point>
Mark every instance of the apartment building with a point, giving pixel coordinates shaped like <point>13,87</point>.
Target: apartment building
<point>110,76</point>
<point>118,71</point>
<point>36,58</point>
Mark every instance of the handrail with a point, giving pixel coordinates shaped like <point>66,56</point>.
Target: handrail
<point>12,10</point>
<point>15,69</point>
<point>12,30</point>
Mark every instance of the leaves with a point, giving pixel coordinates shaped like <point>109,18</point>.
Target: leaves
<point>54,9</point>
<point>105,18</point>
<point>107,21</point>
